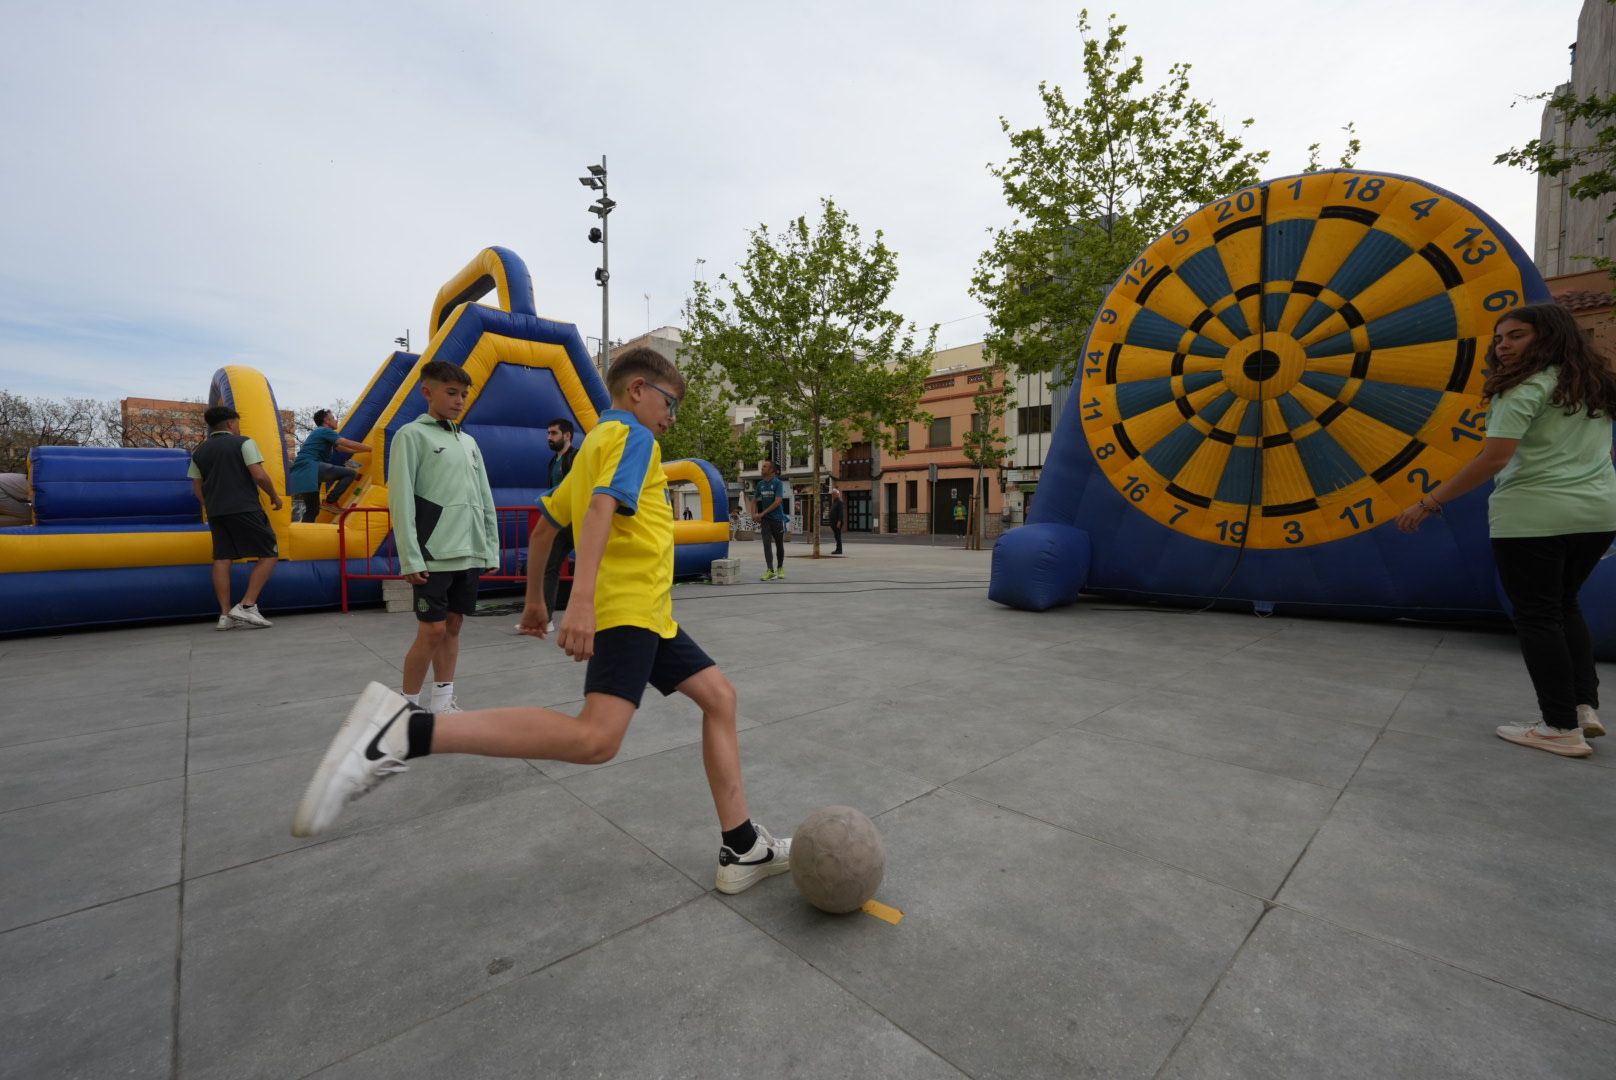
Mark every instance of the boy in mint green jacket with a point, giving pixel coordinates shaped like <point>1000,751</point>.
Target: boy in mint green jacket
<point>445,528</point>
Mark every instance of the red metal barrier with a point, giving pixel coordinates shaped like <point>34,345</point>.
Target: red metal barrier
<point>516,524</point>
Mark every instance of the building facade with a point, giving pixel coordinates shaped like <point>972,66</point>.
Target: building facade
<point>153,422</point>
<point>1573,232</point>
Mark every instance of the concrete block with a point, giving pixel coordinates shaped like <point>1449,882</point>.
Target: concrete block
<point>726,571</point>
<point>398,596</point>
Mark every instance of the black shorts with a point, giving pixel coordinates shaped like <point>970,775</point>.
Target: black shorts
<point>628,657</point>
<point>243,536</point>
<point>446,591</point>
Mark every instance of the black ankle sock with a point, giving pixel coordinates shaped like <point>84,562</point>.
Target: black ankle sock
<point>420,735</point>
<point>741,838</point>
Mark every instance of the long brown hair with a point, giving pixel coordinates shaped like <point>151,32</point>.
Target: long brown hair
<point>1586,381</point>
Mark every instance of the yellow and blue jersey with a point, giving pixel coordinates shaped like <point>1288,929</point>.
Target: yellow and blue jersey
<point>620,457</point>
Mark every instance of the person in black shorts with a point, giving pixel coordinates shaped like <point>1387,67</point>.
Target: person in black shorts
<point>620,621</point>
<point>227,473</point>
<point>445,527</point>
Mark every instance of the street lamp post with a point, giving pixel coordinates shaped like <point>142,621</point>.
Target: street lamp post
<point>601,207</point>
<point>403,342</point>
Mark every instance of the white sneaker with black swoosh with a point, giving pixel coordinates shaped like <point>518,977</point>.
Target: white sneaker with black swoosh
<point>368,748</point>
<point>737,873</point>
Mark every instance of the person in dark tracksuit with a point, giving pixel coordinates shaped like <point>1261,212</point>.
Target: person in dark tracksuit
<point>838,516</point>
<point>771,519</point>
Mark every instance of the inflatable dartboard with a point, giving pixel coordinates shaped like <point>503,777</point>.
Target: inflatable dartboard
<point>1264,389</point>
<point>1298,362</point>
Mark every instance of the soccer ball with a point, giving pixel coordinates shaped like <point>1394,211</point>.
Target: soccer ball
<point>837,859</point>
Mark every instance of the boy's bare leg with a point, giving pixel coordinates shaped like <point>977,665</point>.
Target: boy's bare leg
<point>711,689</point>
<point>256,580</point>
<point>531,731</point>
<point>447,653</point>
<point>428,638</point>
<point>221,584</point>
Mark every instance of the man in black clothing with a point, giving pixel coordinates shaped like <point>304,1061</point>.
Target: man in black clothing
<point>838,515</point>
<point>560,440</point>
<point>227,472</point>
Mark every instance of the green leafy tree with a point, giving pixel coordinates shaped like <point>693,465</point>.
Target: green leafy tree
<point>1349,155</point>
<point>704,429</point>
<point>805,334</point>
<point>986,445</point>
<point>1090,186</point>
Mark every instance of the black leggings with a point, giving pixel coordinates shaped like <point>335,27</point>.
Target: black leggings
<point>774,530</point>
<point>1541,576</point>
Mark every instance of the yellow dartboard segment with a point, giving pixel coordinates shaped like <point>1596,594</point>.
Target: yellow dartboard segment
<point>1298,361</point>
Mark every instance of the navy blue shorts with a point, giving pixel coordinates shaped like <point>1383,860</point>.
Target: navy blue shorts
<point>627,658</point>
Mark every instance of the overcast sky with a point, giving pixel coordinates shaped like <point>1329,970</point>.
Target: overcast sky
<point>286,185</point>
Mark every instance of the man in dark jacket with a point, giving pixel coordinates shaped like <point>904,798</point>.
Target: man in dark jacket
<point>560,440</point>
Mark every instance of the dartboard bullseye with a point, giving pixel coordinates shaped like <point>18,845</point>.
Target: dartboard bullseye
<point>1296,363</point>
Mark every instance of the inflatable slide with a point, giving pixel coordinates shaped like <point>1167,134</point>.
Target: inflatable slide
<point>1262,392</point>
<point>117,535</point>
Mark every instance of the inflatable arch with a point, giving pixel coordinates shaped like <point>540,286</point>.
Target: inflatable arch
<point>118,537</point>
<point>1261,393</point>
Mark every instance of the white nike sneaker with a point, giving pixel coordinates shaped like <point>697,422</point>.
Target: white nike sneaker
<point>737,873</point>
<point>249,616</point>
<point>1588,721</point>
<point>368,748</point>
<point>225,623</point>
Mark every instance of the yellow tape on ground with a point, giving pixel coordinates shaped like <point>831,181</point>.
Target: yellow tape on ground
<point>882,912</point>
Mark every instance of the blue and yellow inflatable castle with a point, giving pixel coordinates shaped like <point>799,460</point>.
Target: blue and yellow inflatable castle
<point>118,536</point>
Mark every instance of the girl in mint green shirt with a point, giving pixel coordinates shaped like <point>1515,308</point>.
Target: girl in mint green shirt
<point>1552,512</point>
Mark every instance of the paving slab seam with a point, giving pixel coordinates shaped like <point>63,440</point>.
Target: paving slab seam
<point>1212,991</point>
<point>479,995</point>
<point>1358,931</point>
<point>94,794</point>
<point>1157,859</point>
<point>1200,757</point>
<point>179,905</point>
<point>81,734</point>
<point>89,907</point>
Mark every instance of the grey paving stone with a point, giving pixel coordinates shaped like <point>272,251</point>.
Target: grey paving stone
<point>653,1002</point>
<point>242,814</point>
<point>248,682</point>
<point>296,962</point>
<point>63,678</point>
<point>945,734</point>
<point>788,687</point>
<point>1327,660</point>
<point>54,718</point>
<point>1235,825</point>
<point>1303,748</point>
<point>64,856</point>
<point>1306,689</point>
<point>223,740</point>
<point>91,994</point>
<point>1484,854</point>
<point>664,802</point>
<point>1305,998</point>
<point>57,769</point>
<point>1024,950</point>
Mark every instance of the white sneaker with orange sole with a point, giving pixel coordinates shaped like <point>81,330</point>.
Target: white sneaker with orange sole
<point>1540,736</point>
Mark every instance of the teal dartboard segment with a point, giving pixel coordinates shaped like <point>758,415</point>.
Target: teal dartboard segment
<point>1329,466</point>
<point>1207,278</point>
<point>1242,476</point>
<point>1152,331</point>
<point>1173,453</point>
<point>1376,255</point>
<point>1405,408</point>
<point>1142,396</point>
<point>1432,319</point>
<point>1213,410</point>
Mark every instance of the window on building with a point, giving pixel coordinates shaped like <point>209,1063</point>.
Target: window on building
<point>976,421</point>
<point>911,494</point>
<point>1033,419</point>
<point>902,432</point>
<point>942,432</point>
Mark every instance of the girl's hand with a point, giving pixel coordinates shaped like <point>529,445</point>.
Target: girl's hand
<point>1409,520</point>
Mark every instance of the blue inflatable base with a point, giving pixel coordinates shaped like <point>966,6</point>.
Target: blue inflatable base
<point>1051,564</point>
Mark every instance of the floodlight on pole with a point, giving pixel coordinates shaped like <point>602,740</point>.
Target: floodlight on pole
<point>403,342</point>
<point>596,181</point>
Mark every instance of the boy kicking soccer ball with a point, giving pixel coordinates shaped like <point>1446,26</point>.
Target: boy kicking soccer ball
<point>620,620</point>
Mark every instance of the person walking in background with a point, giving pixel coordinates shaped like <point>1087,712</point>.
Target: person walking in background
<point>1552,513</point>
<point>770,503</point>
<point>563,454</point>
<point>838,515</point>
<point>312,467</point>
<point>960,515</point>
<point>227,473</point>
